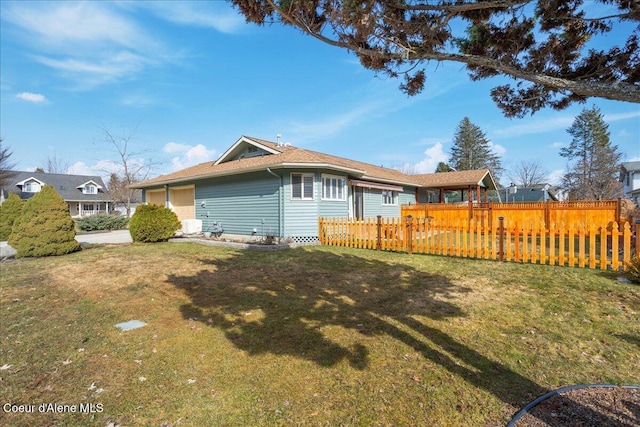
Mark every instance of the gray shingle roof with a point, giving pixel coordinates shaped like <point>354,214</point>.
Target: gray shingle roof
<point>65,185</point>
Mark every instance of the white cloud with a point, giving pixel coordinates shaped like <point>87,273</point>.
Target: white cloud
<point>326,127</point>
<point>535,127</point>
<point>89,43</point>
<point>497,148</point>
<point>102,168</point>
<point>201,14</point>
<point>558,145</point>
<point>188,155</point>
<point>621,116</point>
<point>433,155</point>
<point>32,97</point>
<point>556,176</point>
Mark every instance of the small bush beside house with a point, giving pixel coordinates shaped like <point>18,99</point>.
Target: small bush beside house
<point>102,222</point>
<point>45,227</point>
<point>9,212</point>
<point>153,223</point>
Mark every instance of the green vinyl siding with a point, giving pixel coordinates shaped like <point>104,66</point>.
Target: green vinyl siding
<point>301,215</point>
<point>241,203</point>
<point>373,203</point>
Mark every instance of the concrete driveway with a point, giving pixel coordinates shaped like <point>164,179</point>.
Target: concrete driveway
<point>117,236</point>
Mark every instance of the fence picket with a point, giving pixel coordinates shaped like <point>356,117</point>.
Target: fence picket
<point>582,246</point>
<point>572,253</point>
<point>592,246</point>
<point>603,248</point>
<point>615,256</point>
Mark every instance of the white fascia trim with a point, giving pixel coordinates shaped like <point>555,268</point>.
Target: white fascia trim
<point>21,183</point>
<point>243,140</point>
<point>90,182</point>
<point>294,165</point>
<point>390,181</point>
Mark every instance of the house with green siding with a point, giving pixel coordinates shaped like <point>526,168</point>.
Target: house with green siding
<point>263,188</point>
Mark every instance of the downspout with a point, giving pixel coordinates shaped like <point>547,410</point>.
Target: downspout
<point>280,196</point>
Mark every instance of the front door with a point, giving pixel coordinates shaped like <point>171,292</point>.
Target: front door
<point>358,202</point>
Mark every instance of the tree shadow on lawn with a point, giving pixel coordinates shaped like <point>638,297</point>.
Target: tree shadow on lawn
<point>280,304</point>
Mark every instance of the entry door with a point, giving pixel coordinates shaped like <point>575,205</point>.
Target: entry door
<point>358,202</point>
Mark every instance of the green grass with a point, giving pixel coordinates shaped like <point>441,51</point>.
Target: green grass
<point>308,336</point>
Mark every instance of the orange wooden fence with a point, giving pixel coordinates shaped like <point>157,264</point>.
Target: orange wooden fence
<point>594,246</point>
<point>529,214</point>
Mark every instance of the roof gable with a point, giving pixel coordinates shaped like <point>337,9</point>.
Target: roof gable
<point>457,179</point>
<point>83,185</point>
<point>242,146</point>
<point>30,179</point>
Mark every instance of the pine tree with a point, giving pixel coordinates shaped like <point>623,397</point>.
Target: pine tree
<point>443,167</point>
<point>10,210</point>
<point>45,227</point>
<point>596,162</point>
<point>472,150</point>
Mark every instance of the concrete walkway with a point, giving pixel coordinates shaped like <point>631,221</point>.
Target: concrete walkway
<point>116,236</point>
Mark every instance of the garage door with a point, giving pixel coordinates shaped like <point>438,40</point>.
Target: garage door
<point>181,201</point>
<point>155,197</point>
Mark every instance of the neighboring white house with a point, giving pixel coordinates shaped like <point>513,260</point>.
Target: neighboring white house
<point>630,179</point>
<point>85,195</point>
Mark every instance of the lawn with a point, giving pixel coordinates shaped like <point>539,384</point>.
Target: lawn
<point>307,336</point>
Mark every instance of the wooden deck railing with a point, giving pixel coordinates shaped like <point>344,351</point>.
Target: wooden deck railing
<point>605,246</point>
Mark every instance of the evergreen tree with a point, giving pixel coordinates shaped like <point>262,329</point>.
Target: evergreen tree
<point>10,210</point>
<point>45,227</point>
<point>471,150</point>
<point>443,167</point>
<point>596,162</point>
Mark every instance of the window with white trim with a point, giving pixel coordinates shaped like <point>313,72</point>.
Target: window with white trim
<point>302,186</point>
<point>389,198</point>
<point>90,189</point>
<point>31,187</point>
<point>333,187</point>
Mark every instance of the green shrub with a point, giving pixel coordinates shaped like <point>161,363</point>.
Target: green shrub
<point>45,227</point>
<point>153,223</point>
<point>102,222</point>
<point>9,211</point>
<point>633,270</point>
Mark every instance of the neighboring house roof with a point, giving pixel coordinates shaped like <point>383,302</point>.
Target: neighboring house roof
<point>534,193</point>
<point>628,167</point>
<point>70,187</point>
<point>279,156</point>
<point>456,180</point>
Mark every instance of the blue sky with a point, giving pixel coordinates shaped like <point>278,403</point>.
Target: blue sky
<point>192,77</point>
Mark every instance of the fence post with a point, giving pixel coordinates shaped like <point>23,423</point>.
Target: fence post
<point>410,234</point>
<point>618,210</point>
<point>379,233</point>
<point>547,214</point>
<point>501,238</point>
